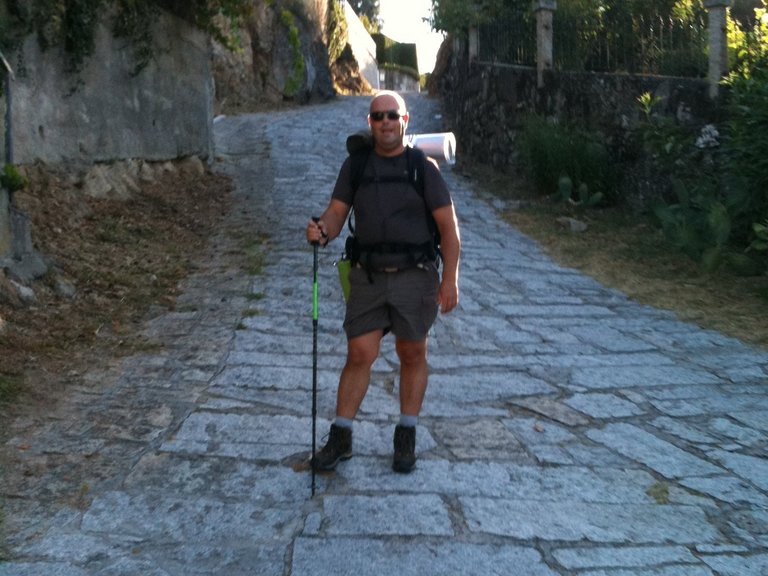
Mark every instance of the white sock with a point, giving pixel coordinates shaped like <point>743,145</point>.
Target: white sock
<point>408,421</point>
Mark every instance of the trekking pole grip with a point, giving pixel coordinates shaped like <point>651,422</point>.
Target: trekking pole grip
<point>316,220</point>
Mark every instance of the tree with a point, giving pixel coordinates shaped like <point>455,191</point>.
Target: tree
<point>368,9</point>
<point>454,16</point>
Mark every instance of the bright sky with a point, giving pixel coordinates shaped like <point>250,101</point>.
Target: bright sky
<point>403,22</point>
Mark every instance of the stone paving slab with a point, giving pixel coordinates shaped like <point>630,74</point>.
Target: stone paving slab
<point>576,521</point>
<point>350,557</point>
<point>566,431</point>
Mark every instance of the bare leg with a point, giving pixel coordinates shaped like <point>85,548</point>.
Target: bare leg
<point>413,374</point>
<point>362,352</point>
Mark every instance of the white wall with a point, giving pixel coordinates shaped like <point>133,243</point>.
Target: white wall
<point>363,47</point>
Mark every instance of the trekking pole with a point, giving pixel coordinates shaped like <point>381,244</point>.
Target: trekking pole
<point>315,246</point>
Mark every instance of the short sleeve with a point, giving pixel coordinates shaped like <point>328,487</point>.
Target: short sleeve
<point>343,188</point>
<point>436,193</point>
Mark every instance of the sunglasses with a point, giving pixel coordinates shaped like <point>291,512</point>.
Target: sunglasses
<point>390,114</point>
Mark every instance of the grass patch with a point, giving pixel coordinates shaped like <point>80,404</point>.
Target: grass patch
<point>3,551</point>
<point>629,253</point>
<point>10,387</point>
<point>659,492</point>
<point>254,248</point>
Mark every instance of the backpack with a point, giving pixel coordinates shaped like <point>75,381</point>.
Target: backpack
<point>360,147</point>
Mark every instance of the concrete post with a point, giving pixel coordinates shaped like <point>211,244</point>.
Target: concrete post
<point>5,225</point>
<point>473,43</point>
<point>6,236</point>
<point>718,43</point>
<point>544,10</point>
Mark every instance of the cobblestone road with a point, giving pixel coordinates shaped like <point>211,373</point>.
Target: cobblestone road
<point>566,430</point>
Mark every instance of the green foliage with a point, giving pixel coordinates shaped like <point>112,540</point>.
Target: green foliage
<point>391,54</point>
<point>338,34</point>
<point>455,16</point>
<point>659,491</point>
<point>639,36</point>
<point>294,83</point>
<point>211,16</point>
<point>71,24</point>
<point>579,27</point>
<point>568,162</point>
<point>582,199</point>
<point>10,388</point>
<point>721,187</point>
<point>698,224</point>
<point>132,21</point>
<point>370,27</point>
<point>760,243</point>
<point>647,103</point>
<point>663,139</point>
<point>746,154</point>
<point>11,180</point>
<point>368,12</point>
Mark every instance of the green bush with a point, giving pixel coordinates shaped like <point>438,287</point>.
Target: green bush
<point>552,151</point>
<point>11,180</point>
<point>338,33</point>
<point>294,83</point>
<point>396,55</point>
<point>746,142</point>
<point>10,388</point>
<point>720,210</point>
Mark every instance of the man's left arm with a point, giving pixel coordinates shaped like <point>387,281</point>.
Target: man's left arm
<point>450,246</point>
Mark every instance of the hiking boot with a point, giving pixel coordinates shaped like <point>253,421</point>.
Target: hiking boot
<point>339,447</point>
<point>405,448</point>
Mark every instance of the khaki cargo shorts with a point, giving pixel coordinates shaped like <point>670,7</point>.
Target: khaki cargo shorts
<point>403,302</point>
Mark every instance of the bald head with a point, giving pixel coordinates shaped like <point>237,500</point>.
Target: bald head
<point>393,101</point>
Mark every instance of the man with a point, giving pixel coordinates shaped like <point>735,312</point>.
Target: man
<point>395,284</point>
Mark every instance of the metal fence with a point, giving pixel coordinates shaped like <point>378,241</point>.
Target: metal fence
<point>646,44</point>
<point>509,39</point>
<point>649,44</point>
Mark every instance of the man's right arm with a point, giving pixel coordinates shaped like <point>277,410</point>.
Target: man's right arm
<point>329,225</point>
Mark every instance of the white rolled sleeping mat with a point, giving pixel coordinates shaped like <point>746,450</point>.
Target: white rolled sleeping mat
<point>441,145</point>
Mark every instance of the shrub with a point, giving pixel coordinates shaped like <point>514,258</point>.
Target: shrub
<point>720,211</point>
<point>294,83</point>
<point>552,151</point>
<point>11,179</point>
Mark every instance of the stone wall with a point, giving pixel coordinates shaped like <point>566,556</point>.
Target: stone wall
<point>106,112</point>
<point>399,81</point>
<point>485,103</point>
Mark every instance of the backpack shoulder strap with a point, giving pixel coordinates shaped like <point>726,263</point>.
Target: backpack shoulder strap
<point>417,165</point>
<point>358,162</point>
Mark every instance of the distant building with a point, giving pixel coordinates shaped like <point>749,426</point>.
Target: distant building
<point>398,64</point>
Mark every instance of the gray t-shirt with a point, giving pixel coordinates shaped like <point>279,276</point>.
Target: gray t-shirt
<point>391,212</point>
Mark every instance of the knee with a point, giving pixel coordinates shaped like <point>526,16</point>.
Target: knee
<point>412,353</point>
<point>362,356</point>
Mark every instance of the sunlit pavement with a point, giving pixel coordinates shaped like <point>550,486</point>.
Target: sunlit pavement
<point>566,430</point>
